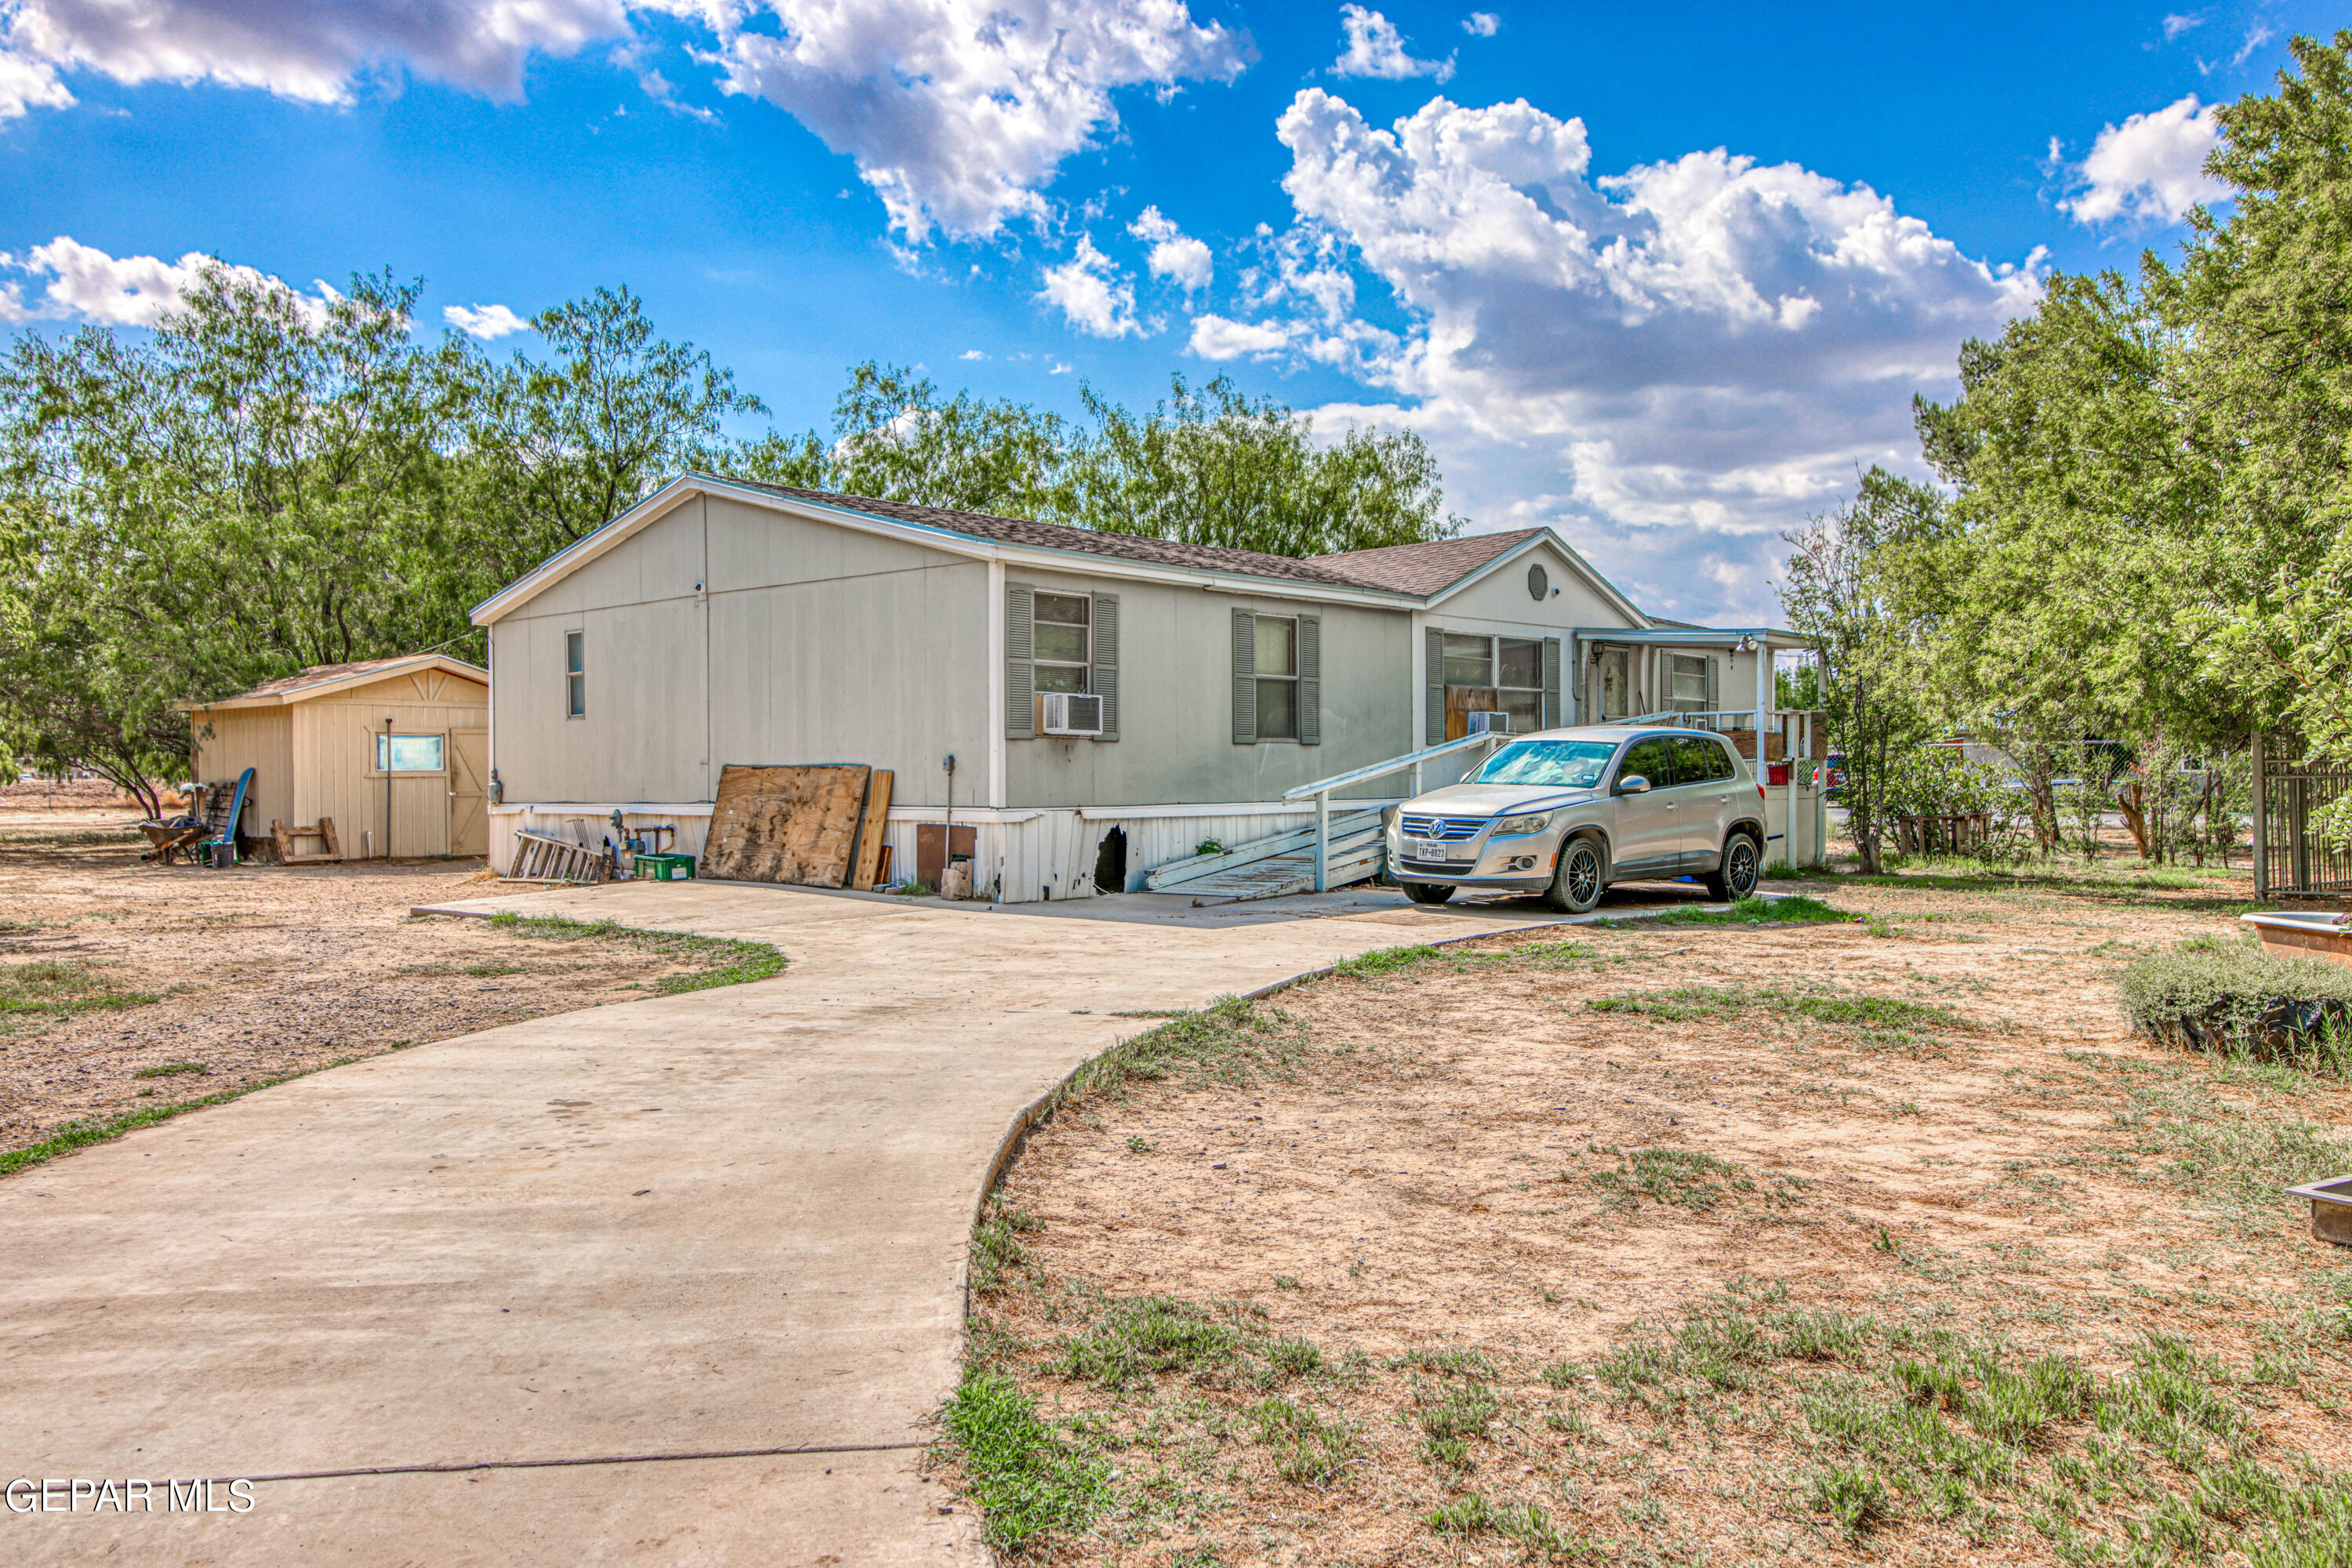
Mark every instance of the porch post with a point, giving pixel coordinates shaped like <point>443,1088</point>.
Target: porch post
<point>1322,837</point>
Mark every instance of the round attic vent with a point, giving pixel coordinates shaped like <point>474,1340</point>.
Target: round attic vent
<point>1539,583</point>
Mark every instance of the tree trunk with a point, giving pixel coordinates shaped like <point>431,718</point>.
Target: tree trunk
<point>2131,801</point>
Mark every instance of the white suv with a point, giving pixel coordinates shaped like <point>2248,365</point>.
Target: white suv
<point>1566,813</point>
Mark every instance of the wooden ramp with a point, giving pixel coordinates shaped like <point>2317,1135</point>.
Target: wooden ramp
<point>1281,865</point>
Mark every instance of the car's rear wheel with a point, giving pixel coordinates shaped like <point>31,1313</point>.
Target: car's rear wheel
<point>1735,877</point>
<point>1428,892</point>
<point>1578,879</point>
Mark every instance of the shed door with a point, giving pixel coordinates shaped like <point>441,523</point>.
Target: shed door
<point>470,795</point>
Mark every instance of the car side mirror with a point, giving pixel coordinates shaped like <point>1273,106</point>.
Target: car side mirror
<point>1633,784</point>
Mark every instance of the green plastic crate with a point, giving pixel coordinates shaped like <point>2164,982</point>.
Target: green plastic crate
<point>663,868</point>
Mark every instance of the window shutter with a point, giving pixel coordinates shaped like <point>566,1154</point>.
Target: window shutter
<point>1244,678</point>
<point>1433,676</point>
<point>1714,687</point>
<point>1310,680</point>
<point>1106,659</point>
<point>1551,683</point>
<point>1020,677</point>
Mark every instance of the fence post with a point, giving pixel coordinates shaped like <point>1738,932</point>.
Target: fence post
<point>2262,839</point>
<point>1322,837</point>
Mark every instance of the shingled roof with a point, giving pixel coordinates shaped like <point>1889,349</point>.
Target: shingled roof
<point>1424,568</point>
<point>1058,536</point>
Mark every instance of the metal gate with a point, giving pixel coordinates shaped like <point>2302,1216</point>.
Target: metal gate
<point>2292,861</point>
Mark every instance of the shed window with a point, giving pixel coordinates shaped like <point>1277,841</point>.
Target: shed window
<point>1062,653</point>
<point>408,754</point>
<point>576,675</point>
<point>1277,677</point>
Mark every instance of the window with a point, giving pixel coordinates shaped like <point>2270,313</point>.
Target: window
<point>1700,760</point>
<point>1063,630</point>
<point>1519,680</point>
<point>1511,667</point>
<point>407,753</point>
<point>1688,675</point>
<point>1277,677</point>
<point>1469,661</point>
<point>1573,764</point>
<point>576,675</point>
<point>1654,759</point>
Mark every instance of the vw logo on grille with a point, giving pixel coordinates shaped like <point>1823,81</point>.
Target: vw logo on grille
<point>1442,830</point>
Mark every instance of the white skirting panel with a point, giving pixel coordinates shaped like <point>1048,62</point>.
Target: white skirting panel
<point>1020,856</point>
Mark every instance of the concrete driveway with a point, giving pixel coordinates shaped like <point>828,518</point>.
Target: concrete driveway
<point>729,1223</point>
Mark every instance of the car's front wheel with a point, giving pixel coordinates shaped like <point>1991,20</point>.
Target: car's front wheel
<point>1735,877</point>
<point>1578,879</point>
<point>1428,892</point>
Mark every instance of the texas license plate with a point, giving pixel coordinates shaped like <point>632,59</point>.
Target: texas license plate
<point>1432,849</point>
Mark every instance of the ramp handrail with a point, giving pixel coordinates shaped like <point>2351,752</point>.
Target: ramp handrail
<point>1393,765</point>
<point>1321,789</point>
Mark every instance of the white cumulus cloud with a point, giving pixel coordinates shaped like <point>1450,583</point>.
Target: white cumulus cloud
<point>1481,24</point>
<point>484,322</point>
<point>1375,48</point>
<point>1092,293</point>
<point>1673,364</point>
<point>1175,255</point>
<point>2151,168</point>
<point>958,112</point>
<point>312,50</point>
<point>78,282</point>
<point>1216,338</point>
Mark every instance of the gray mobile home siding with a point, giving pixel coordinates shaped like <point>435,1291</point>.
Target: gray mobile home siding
<point>811,644</point>
<point>1176,695</point>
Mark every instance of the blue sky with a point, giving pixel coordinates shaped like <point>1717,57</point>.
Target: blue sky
<point>1662,277</point>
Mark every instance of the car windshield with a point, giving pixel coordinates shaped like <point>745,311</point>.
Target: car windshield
<point>1575,764</point>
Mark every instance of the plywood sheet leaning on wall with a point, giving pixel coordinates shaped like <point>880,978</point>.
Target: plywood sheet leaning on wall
<point>874,821</point>
<point>785,824</point>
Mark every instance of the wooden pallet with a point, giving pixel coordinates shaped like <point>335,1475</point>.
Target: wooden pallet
<point>323,830</point>
<point>542,858</point>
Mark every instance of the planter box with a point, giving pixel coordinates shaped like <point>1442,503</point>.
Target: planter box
<point>2313,935</point>
<point>2331,1209</point>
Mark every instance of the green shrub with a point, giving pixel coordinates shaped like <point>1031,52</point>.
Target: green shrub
<point>2234,997</point>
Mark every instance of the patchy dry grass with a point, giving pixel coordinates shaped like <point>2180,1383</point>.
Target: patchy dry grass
<point>1678,1247</point>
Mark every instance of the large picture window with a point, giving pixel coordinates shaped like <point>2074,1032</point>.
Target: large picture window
<point>1064,633</point>
<point>1277,677</point>
<point>1511,669</point>
<point>408,754</point>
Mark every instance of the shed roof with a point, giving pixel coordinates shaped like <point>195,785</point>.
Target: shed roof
<point>323,680</point>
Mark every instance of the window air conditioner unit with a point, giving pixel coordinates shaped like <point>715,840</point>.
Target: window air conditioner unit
<point>1070,713</point>
<point>1490,723</point>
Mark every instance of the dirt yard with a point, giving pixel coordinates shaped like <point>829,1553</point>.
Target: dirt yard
<point>1680,1245</point>
<point>127,986</point>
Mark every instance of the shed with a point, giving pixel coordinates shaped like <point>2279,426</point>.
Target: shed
<point>406,738</point>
